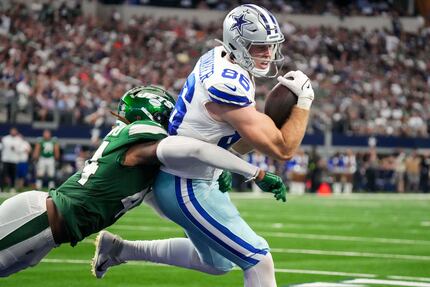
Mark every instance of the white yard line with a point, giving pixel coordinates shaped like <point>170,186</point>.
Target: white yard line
<point>352,254</point>
<point>321,272</point>
<point>409,278</point>
<point>345,238</point>
<point>326,284</point>
<point>387,282</point>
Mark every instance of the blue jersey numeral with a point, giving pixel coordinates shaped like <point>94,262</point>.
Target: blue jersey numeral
<point>228,141</point>
<point>229,74</point>
<point>180,110</point>
<point>232,74</point>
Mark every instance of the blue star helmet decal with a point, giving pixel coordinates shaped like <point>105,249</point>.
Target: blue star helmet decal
<point>240,22</point>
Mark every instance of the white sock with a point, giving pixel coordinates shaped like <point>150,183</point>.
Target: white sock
<point>179,252</point>
<point>262,274</point>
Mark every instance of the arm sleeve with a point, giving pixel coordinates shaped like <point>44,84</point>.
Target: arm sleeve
<point>195,159</point>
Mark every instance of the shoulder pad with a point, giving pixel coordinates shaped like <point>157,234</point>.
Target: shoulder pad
<point>146,127</point>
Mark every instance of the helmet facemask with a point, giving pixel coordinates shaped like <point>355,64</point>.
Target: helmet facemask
<point>274,63</point>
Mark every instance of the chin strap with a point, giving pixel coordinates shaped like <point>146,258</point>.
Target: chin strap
<point>260,72</point>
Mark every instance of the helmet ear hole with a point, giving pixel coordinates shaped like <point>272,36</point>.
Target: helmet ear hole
<point>157,116</point>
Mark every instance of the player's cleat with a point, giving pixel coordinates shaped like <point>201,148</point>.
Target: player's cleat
<point>108,248</point>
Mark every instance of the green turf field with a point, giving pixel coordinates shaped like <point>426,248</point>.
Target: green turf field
<point>358,240</point>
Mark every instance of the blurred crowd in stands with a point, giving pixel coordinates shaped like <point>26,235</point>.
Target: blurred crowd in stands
<point>322,7</point>
<point>57,65</point>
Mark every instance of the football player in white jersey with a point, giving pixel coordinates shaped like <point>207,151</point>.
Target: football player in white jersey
<point>217,105</point>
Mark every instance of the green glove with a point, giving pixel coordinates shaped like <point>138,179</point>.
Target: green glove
<point>273,183</point>
<point>225,181</point>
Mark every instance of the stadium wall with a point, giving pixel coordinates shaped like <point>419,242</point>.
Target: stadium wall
<point>103,11</point>
<point>410,24</point>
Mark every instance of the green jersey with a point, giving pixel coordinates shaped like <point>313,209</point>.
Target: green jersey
<point>47,147</point>
<point>104,190</point>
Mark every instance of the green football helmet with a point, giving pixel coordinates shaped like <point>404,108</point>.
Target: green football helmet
<point>146,103</point>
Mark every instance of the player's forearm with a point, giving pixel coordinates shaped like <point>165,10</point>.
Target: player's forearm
<point>182,153</point>
<point>294,129</point>
<point>262,133</point>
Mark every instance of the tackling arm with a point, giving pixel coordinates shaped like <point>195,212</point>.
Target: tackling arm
<point>188,155</point>
<point>179,153</point>
<point>182,153</point>
<point>191,156</point>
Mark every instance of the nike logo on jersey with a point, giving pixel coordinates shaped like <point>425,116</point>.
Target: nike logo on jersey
<point>233,89</point>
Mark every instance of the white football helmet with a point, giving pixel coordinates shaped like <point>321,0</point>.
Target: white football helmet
<point>249,25</point>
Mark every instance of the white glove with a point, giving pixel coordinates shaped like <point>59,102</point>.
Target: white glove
<point>301,86</point>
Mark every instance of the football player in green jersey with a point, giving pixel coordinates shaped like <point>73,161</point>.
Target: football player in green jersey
<point>46,153</point>
<point>117,178</point>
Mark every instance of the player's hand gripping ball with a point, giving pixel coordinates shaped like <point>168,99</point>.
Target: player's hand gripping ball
<point>279,104</point>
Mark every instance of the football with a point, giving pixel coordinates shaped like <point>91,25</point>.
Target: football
<point>279,104</point>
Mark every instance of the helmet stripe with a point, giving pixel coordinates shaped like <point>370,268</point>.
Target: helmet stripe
<point>265,14</point>
<point>275,22</point>
<point>259,11</point>
<point>147,113</point>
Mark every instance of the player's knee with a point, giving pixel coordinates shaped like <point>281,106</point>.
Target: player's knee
<point>266,265</point>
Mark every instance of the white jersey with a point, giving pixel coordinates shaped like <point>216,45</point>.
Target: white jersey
<point>214,79</point>
<point>11,148</point>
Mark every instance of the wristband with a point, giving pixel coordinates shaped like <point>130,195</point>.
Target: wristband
<point>304,103</point>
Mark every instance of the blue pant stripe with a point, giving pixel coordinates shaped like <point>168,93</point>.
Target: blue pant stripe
<point>203,229</point>
<point>217,225</point>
